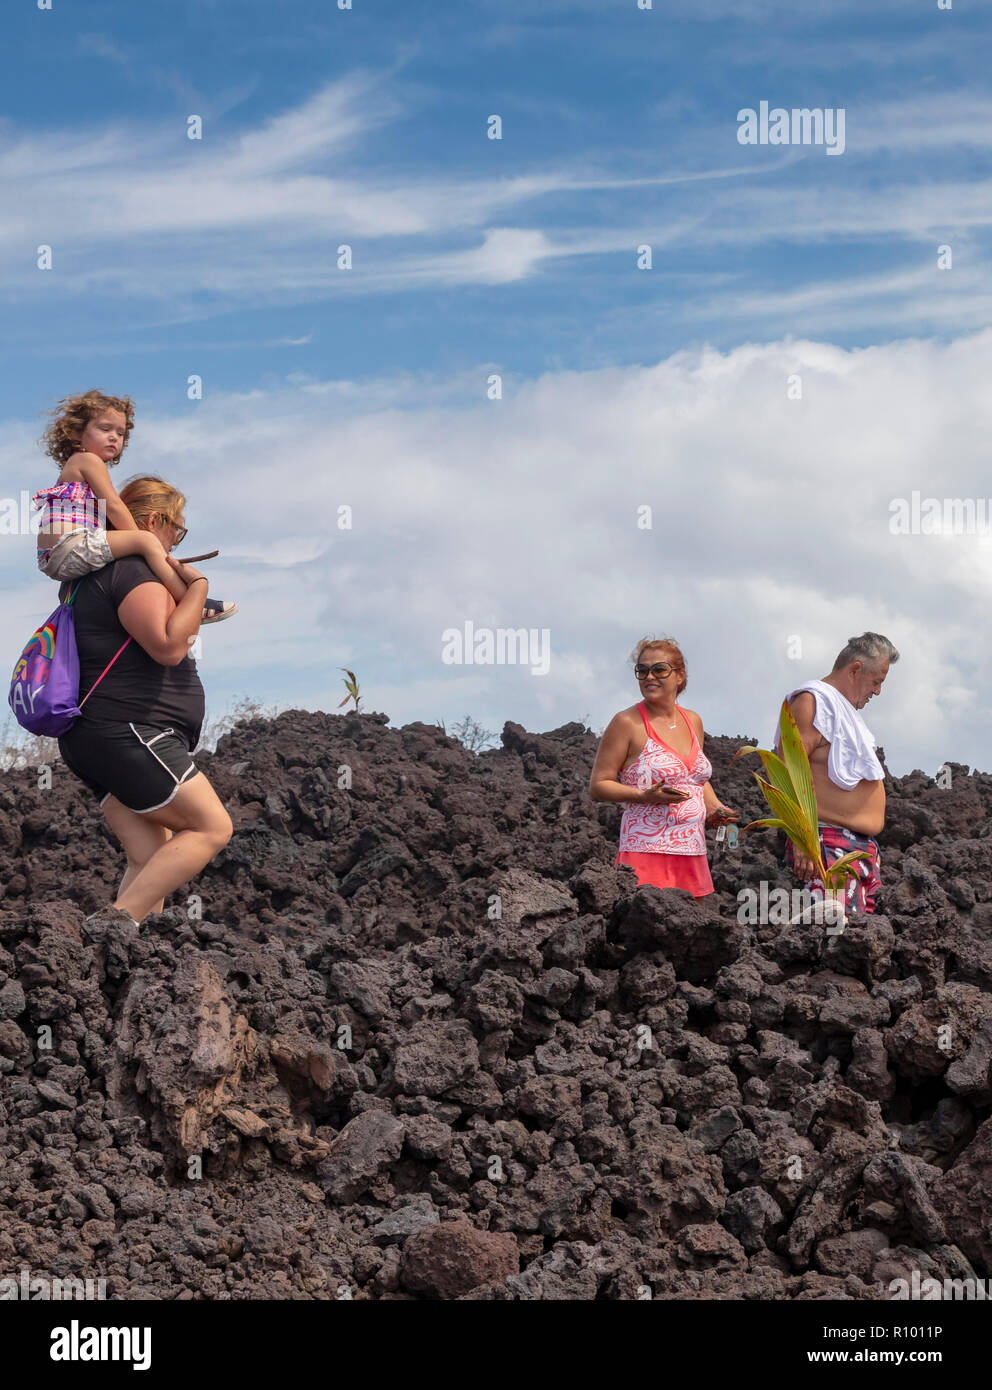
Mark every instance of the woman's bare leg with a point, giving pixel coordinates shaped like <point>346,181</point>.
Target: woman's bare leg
<point>201,828</point>
<point>144,543</point>
<point>140,839</point>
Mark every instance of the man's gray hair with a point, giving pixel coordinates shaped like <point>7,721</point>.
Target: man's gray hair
<point>871,648</point>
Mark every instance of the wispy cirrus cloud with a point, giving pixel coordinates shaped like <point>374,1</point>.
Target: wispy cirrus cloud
<point>262,211</point>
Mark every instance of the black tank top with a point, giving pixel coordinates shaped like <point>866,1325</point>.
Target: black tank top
<point>137,689</point>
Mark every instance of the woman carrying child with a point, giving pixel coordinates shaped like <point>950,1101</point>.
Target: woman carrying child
<point>133,745</point>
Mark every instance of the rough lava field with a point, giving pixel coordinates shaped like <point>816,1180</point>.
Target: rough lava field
<point>416,1038</point>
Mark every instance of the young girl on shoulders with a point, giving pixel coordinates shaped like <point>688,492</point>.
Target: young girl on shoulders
<point>84,523</point>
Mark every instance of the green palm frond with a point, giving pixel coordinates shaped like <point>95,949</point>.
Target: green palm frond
<point>351,685</point>
<point>790,796</point>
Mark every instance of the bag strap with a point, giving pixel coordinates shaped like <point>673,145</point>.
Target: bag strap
<point>102,674</point>
<point>110,663</point>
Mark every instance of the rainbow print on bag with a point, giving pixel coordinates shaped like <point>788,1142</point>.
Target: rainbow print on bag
<point>36,659</point>
<point>44,688</point>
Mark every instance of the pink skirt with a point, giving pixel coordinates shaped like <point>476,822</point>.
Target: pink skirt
<point>689,871</point>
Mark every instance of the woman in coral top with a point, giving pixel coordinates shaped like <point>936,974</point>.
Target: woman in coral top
<point>651,757</point>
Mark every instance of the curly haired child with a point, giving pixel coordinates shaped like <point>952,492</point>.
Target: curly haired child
<point>84,523</point>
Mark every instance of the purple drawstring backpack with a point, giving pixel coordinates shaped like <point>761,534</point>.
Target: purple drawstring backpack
<point>45,684</point>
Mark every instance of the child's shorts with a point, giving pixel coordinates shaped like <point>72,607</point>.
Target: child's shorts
<point>78,553</point>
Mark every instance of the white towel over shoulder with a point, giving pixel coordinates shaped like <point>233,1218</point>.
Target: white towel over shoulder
<point>852,756</point>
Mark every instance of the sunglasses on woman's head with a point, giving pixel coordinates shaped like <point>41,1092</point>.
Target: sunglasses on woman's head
<point>660,668</point>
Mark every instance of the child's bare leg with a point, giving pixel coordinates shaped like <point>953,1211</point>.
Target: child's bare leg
<point>145,544</point>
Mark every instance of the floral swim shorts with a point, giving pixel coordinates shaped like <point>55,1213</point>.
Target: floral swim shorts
<point>863,888</point>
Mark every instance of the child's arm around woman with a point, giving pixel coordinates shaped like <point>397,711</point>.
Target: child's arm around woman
<point>125,538</point>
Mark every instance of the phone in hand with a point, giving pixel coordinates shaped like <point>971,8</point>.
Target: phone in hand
<point>682,795</point>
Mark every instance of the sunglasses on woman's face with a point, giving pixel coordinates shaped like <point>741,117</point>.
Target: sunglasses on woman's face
<point>659,669</point>
<point>179,530</point>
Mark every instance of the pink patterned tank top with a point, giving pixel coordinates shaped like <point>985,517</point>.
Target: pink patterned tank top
<point>74,504</point>
<point>660,829</point>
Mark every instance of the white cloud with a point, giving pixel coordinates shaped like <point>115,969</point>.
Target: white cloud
<point>506,254</point>
<point>770,520</point>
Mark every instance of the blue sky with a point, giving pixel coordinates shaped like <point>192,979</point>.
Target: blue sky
<point>471,256</point>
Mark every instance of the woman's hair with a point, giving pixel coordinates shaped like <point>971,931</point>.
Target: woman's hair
<point>671,646</point>
<point>149,496</point>
<point>71,416</point>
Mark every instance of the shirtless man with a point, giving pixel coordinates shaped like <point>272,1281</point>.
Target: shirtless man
<point>847,775</point>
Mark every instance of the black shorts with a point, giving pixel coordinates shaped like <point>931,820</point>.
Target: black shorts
<point>142,766</point>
